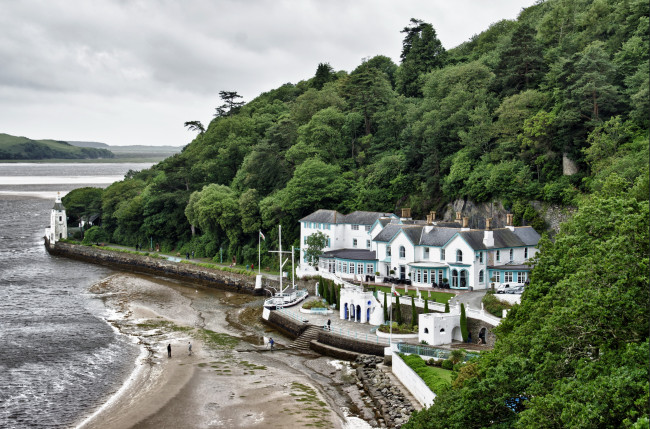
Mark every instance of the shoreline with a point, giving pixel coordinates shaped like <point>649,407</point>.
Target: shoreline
<point>218,386</point>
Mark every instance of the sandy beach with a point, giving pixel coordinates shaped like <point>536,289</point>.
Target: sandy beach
<point>231,380</point>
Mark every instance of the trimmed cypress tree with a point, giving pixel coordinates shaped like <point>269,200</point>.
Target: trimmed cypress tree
<point>338,297</point>
<point>414,312</point>
<point>447,307</point>
<point>426,306</point>
<point>386,319</point>
<point>326,291</point>
<point>398,311</point>
<point>463,323</point>
<point>333,293</point>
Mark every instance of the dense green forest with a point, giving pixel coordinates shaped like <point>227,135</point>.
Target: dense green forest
<point>552,107</point>
<point>22,148</point>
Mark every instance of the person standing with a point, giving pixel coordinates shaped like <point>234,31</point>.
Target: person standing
<point>189,348</point>
<point>329,325</point>
<point>271,342</point>
<point>192,254</point>
<point>169,350</point>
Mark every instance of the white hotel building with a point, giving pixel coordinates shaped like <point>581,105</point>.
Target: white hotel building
<point>426,253</point>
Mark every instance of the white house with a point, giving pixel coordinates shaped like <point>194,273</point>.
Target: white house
<point>425,253</point>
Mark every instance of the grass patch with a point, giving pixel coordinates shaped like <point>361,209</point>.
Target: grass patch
<point>441,297</point>
<point>243,271</point>
<point>164,325</point>
<point>436,379</point>
<point>252,366</point>
<point>311,408</point>
<point>315,303</point>
<point>217,340</point>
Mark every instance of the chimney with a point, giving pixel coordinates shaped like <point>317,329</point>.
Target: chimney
<point>488,237</point>
<point>465,223</point>
<point>429,219</point>
<point>433,215</point>
<point>509,222</point>
<point>406,213</point>
<point>458,214</point>
<point>488,223</point>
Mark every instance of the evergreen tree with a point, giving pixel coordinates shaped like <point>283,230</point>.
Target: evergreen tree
<point>324,74</point>
<point>414,312</point>
<point>447,307</point>
<point>463,323</point>
<point>338,297</point>
<point>422,52</point>
<point>426,305</point>
<point>386,318</point>
<point>398,311</point>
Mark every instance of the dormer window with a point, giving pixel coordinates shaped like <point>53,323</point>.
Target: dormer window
<point>355,227</point>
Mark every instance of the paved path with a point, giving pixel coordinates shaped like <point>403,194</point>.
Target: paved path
<point>471,299</point>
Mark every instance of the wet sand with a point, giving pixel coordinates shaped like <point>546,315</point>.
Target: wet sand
<point>230,380</point>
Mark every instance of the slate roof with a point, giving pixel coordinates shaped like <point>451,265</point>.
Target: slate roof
<point>514,265</point>
<point>438,236</point>
<point>503,238</point>
<point>334,217</point>
<point>358,254</point>
<point>388,232</point>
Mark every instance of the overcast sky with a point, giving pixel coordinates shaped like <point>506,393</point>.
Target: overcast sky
<point>127,72</point>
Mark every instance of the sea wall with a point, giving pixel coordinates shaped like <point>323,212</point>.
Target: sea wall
<point>133,262</point>
<point>351,344</point>
<point>288,326</point>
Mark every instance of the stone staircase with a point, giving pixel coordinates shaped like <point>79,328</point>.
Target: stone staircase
<point>302,342</point>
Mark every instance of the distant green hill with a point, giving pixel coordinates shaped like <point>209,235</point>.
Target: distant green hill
<point>133,151</point>
<point>22,148</point>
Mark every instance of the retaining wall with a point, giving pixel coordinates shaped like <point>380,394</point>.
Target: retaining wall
<point>412,381</point>
<point>351,344</point>
<point>140,263</point>
<point>288,326</point>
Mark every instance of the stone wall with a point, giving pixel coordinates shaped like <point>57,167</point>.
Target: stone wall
<point>474,326</point>
<point>288,326</point>
<point>351,344</point>
<point>145,264</point>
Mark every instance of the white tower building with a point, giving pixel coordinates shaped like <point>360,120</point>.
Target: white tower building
<point>58,224</point>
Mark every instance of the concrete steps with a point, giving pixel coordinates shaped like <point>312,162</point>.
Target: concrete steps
<point>302,342</point>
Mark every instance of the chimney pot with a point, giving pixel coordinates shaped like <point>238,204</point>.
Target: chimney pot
<point>509,219</point>
<point>406,213</point>
<point>458,214</point>
<point>488,223</point>
<point>465,222</point>
<point>433,215</point>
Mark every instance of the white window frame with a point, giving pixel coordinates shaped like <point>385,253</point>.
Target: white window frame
<point>370,269</point>
<point>367,244</point>
<point>525,252</point>
<point>426,254</point>
<point>512,253</point>
<point>507,277</point>
<point>355,227</point>
<point>498,256</point>
<point>481,277</point>
<point>459,255</point>
<point>402,252</point>
<point>425,276</point>
<point>367,228</point>
<point>388,250</point>
<point>354,242</point>
<point>442,254</point>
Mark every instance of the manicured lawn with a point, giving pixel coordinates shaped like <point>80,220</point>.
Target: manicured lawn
<point>437,379</point>
<point>441,297</point>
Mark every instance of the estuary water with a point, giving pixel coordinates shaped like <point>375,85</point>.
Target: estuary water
<point>59,359</point>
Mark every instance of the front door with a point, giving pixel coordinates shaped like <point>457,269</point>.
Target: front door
<point>402,272</point>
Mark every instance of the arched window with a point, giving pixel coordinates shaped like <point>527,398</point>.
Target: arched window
<point>459,255</point>
<point>480,277</point>
<point>454,278</point>
<point>463,278</point>
<point>402,252</point>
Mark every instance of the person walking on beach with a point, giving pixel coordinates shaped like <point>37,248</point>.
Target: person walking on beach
<point>271,342</point>
<point>329,325</point>
<point>169,350</point>
<point>189,348</point>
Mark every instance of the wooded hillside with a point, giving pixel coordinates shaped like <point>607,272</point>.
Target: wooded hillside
<point>563,89</point>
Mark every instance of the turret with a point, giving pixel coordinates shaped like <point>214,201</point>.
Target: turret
<point>58,221</point>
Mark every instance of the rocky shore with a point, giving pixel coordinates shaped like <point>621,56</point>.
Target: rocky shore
<point>392,408</point>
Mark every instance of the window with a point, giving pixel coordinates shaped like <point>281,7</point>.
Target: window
<point>511,254</point>
<point>402,252</point>
<point>305,240</point>
<point>497,276</point>
<point>351,267</point>
<point>355,227</point>
<point>328,242</point>
<point>442,254</point>
<point>454,278</point>
<point>367,244</point>
<point>440,277</point>
<point>367,228</point>
<point>459,255</point>
<point>480,257</point>
<point>388,250</point>
<point>525,252</point>
<point>498,255</point>
<point>425,276</point>
<point>370,269</point>
<point>359,268</point>
<point>481,277</point>
<point>339,266</point>
<point>521,277</point>
<point>419,276</point>
<point>426,253</point>
<point>354,242</point>
<point>507,276</point>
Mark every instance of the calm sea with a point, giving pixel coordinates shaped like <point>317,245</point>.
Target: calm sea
<point>59,359</point>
